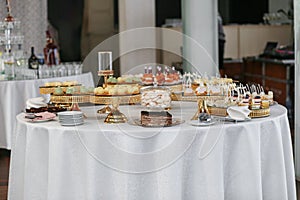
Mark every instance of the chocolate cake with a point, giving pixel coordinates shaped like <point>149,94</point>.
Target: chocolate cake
<point>156,118</point>
<point>52,109</point>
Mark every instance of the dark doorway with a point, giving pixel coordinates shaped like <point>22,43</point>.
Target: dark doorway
<point>66,17</point>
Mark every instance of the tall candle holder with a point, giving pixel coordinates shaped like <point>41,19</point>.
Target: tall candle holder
<point>105,70</point>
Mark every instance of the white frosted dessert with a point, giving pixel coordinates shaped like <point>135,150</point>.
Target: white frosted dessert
<point>156,98</point>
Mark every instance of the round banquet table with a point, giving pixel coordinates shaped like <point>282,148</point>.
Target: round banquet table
<point>227,160</point>
<point>14,95</point>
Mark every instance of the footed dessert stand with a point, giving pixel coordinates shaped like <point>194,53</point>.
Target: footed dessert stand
<point>115,116</point>
<point>105,69</point>
<point>105,73</point>
<point>73,100</point>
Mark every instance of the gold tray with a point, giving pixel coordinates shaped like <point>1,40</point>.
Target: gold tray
<point>125,99</point>
<point>217,111</point>
<point>180,97</point>
<point>265,112</point>
<point>70,99</point>
<point>175,88</point>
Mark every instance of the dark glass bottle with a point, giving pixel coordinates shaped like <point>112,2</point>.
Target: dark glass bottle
<point>51,54</point>
<point>33,62</point>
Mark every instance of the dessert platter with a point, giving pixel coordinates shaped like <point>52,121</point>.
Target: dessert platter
<point>253,97</point>
<point>49,87</point>
<point>40,117</point>
<point>169,76</point>
<point>71,94</point>
<point>125,93</point>
<point>67,94</point>
<point>155,102</point>
<point>39,104</point>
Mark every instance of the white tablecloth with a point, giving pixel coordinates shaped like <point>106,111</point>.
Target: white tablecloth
<point>235,161</point>
<point>14,95</point>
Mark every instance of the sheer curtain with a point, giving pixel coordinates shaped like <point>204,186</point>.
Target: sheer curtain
<point>33,17</point>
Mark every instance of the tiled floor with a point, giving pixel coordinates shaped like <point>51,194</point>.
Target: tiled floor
<point>4,169</point>
<point>298,190</point>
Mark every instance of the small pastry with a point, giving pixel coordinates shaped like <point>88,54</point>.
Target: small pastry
<point>53,84</point>
<point>256,102</point>
<point>265,104</point>
<point>58,91</point>
<point>112,80</point>
<point>147,79</point>
<point>69,83</point>
<point>160,78</point>
<point>201,90</point>
<point>83,90</point>
<point>270,96</point>
<point>99,91</point>
<point>70,90</point>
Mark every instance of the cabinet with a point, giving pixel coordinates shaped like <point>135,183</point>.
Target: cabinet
<point>272,74</point>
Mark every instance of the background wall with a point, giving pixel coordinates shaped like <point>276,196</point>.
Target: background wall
<point>33,17</point>
<point>275,5</point>
<point>66,18</point>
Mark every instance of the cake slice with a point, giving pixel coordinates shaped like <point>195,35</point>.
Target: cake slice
<point>156,118</point>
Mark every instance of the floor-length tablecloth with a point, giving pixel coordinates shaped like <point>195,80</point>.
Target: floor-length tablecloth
<point>234,161</point>
<point>14,95</point>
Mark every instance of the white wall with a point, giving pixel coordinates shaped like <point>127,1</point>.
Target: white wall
<point>297,86</point>
<point>133,16</point>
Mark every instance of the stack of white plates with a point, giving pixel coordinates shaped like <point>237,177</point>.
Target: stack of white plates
<point>70,118</point>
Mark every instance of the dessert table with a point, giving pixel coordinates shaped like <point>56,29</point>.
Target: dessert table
<point>227,160</point>
<point>14,95</point>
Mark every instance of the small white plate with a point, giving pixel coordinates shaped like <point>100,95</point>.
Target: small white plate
<point>72,121</point>
<point>198,123</point>
<point>70,113</point>
<point>71,124</point>
<point>70,118</point>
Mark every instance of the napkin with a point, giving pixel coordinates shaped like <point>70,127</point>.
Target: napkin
<point>37,102</point>
<point>238,112</point>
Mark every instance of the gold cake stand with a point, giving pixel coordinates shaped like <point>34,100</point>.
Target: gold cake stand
<point>51,89</point>
<point>74,100</point>
<point>115,116</point>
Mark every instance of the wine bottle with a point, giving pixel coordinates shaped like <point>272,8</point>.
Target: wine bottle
<point>33,62</point>
<point>51,54</point>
